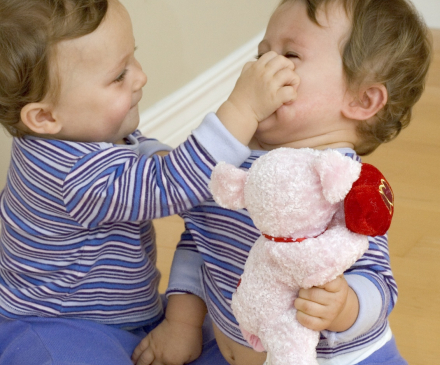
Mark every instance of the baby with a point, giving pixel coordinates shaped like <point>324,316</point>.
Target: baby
<point>362,66</point>
<point>78,276</point>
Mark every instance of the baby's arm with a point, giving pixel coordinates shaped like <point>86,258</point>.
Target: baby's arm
<point>178,339</point>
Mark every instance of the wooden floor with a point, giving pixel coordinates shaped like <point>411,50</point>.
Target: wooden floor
<point>411,163</point>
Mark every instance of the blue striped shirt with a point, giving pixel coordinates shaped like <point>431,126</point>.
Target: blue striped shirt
<point>218,240</point>
<point>76,235</point>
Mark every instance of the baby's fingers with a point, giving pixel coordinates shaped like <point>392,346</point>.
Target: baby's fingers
<point>143,354</point>
<point>311,322</point>
<point>146,358</point>
<point>268,64</point>
<point>273,62</point>
<point>287,83</point>
<point>335,285</point>
<point>247,66</point>
<point>286,76</point>
<point>311,314</point>
<point>286,95</point>
<point>267,57</point>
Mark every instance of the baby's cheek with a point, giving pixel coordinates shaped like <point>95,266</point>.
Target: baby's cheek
<point>119,111</point>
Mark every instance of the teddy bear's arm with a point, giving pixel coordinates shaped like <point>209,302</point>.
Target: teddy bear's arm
<point>334,253</point>
<point>317,261</point>
<point>227,186</point>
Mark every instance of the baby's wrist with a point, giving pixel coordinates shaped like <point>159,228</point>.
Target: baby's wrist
<point>186,309</point>
<point>184,323</point>
<point>240,121</point>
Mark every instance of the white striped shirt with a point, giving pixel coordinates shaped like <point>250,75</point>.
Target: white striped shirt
<point>76,234</point>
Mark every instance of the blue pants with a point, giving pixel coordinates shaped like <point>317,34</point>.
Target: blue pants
<point>386,355</point>
<point>59,341</point>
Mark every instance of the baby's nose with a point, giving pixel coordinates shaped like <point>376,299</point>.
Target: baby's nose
<point>141,80</point>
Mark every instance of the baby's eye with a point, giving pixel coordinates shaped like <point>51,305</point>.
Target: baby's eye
<point>291,55</point>
<point>121,77</point>
<point>258,56</point>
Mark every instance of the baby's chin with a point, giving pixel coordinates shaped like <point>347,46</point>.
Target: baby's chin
<point>263,129</point>
<point>269,140</point>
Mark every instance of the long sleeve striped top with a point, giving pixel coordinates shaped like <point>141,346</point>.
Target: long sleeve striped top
<point>216,243</point>
<point>76,235</point>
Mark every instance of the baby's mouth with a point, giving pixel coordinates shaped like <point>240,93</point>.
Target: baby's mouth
<point>137,100</point>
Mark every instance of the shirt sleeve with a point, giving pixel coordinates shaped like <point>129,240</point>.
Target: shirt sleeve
<point>185,274</point>
<point>219,143</point>
<point>372,280</point>
<point>149,146</point>
<point>115,184</point>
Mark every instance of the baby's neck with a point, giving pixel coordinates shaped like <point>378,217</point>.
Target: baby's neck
<point>315,143</point>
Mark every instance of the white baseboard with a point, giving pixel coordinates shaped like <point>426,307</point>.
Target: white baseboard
<point>173,118</point>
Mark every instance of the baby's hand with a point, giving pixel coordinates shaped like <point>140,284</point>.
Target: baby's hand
<point>264,86</point>
<point>333,306</point>
<point>170,343</point>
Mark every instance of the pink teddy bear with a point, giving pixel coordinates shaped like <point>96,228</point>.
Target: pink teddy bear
<point>295,198</point>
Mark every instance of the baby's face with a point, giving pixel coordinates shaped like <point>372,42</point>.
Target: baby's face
<point>100,82</point>
<point>314,119</point>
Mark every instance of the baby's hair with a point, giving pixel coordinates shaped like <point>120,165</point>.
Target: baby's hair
<point>389,43</point>
<point>29,32</point>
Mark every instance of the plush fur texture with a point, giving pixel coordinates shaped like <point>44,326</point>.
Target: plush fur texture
<point>291,194</point>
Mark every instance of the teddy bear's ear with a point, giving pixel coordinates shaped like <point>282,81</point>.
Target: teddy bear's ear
<point>227,186</point>
<point>337,173</point>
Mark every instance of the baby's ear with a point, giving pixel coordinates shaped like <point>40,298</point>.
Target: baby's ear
<point>39,119</point>
<point>337,173</point>
<point>366,103</point>
<point>227,186</point>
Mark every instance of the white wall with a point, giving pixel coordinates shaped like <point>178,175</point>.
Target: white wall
<point>179,39</point>
<point>430,9</point>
